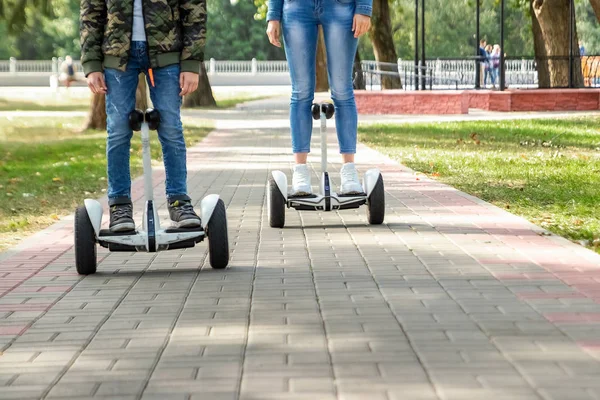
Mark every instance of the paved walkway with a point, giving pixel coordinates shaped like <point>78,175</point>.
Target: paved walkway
<point>451,299</point>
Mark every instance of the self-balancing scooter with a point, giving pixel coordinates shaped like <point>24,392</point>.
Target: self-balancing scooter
<point>373,194</point>
<point>151,238</point>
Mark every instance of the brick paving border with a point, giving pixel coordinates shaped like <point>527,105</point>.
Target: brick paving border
<point>452,298</point>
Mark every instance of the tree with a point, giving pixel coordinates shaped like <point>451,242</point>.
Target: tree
<point>96,118</point>
<point>322,79</point>
<point>357,74</point>
<point>234,33</point>
<point>15,12</point>
<point>203,96</point>
<point>322,83</point>
<point>383,43</point>
<point>552,43</point>
<point>596,6</point>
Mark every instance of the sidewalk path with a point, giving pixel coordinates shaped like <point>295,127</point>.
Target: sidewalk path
<point>451,298</point>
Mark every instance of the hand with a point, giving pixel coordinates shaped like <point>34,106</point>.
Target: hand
<point>274,32</point>
<point>96,83</point>
<point>361,25</point>
<point>188,82</point>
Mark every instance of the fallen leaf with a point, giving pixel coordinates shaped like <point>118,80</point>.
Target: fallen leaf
<point>436,174</point>
<point>54,216</point>
<point>56,179</point>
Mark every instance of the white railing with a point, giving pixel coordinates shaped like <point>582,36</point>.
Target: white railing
<point>518,72</point>
<point>268,67</point>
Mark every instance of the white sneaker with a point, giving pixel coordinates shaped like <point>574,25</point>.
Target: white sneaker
<point>301,180</point>
<point>350,180</point>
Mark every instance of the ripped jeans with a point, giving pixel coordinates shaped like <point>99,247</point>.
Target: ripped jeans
<point>120,101</point>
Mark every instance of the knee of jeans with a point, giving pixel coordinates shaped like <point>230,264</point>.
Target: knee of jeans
<point>303,93</point>
<point>171,134</point>
<point>343,93</point>
<point>118,130</point>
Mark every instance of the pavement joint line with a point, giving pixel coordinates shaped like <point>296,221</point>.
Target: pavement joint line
<point>42,314</point>
<point>105,318</point>
<point>389,307</point>
<point>188,291</point>
<point>98,327</point>
<point>319,305</point>
<point>252,283</point>
<point>489,337</point>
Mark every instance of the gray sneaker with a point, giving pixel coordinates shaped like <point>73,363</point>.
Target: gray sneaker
<point>183,215</point>
<point>121,217</point>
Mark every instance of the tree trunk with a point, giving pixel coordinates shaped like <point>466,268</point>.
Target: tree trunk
<point>553,19</point>
<point>322,78</point>
<point>383,42</point>
<point>596,6</point>
<point>203,96</point>
<point>359,78</point>
<point>141,94</point>
<point>541,56</point>
<point>97,116</point>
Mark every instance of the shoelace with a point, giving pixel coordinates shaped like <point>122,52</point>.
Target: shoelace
<point>183,208</point>
<point>122,211</point>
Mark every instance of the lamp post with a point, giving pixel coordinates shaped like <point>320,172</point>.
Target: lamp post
<point>502,60</point>
<point>477,39</point>
<point>416,44</point>
<point>423,63</point>
<point>571,15</point>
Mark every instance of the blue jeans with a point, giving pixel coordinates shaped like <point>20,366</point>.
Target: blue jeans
<point>492,74</point>
<point>120,101</point>
<point>300,21</point>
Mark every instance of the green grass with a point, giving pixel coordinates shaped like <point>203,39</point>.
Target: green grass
<point>47,167</point>
<point>547,171</point>
<point>78,104</point>
<point>230,102</point>
<point>21,105</point>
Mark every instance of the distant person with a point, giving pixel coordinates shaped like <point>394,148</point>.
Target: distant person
<point>482,45</point>
<point>67,72</point>
<point>488,65</point>
<point>496,63</point>
<point>481,58</point>
<point>581,49</point>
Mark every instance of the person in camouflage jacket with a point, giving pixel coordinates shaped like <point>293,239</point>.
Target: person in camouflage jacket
<point>175,32</point>
<point>163,39</point>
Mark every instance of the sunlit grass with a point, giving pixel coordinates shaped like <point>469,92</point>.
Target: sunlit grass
<point>547,171</point>
<point>47,167</point>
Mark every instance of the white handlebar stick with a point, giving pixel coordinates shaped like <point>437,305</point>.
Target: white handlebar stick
<point>323,142</point>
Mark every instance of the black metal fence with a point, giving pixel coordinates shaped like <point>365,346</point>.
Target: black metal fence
<point>461,73</point>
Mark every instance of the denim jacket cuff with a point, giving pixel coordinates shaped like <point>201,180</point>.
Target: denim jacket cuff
<point>274,16</point>
<point>364,10</point>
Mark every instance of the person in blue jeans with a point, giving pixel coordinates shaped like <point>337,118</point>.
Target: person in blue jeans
<point>113,55</point>
<point>343,22</point>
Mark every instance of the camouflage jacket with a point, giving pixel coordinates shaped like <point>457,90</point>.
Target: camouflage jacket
<point>175,33</point>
